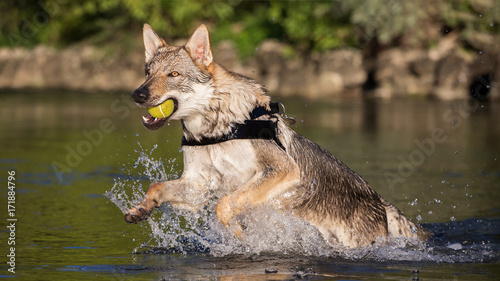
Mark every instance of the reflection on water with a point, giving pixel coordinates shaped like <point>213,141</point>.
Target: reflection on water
<point>437,161</point>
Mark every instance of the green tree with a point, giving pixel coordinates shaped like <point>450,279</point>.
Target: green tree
<point>306,25</point>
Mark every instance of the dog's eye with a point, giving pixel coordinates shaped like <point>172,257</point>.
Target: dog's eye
<point>174,74</point>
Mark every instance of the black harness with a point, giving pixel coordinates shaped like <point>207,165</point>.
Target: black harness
<point>251,129</point>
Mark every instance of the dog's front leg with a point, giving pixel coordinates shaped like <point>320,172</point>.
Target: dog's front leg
<point>170,191</point>
<point>263,187</point>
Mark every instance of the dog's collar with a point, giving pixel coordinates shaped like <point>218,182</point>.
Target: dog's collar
<point>251,129</point>
<point>259,111</point>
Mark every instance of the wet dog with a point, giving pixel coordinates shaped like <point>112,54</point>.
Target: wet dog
<point>236,142</point>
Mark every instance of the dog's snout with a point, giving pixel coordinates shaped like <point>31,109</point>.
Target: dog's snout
<point>140,95</point>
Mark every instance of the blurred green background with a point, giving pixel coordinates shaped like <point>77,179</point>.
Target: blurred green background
<point>305,25</point>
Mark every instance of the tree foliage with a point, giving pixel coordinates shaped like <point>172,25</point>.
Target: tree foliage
<point>306,25</point>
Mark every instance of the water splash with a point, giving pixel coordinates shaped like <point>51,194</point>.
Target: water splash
<point>268,231</point>
<point>129,191</point>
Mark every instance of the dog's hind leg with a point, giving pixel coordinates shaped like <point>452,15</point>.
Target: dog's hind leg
<point>175,192</point>
<point>263,187</point>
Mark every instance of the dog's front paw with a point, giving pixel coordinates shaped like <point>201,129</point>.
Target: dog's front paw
<point>136,215</point>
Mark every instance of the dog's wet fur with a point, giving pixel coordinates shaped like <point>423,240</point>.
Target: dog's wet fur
<point>298,177</point>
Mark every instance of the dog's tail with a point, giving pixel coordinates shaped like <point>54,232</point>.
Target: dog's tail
<point>398,226</point>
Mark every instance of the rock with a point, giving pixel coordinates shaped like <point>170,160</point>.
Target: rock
<point>445,46</point>
<point>271,270</point>
<point>76,68</point>
<point>348,66</point>
<point>10,59</point>
<point>445,71</point>
<point>296,77</point>
<point>226,55</point>
<point>318,76</point>
<point>495,83</point>
<point>271,65</point>
<point>452,77</point>
<point>403,72</point>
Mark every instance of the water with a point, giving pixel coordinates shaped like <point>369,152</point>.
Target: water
<point>437,161</point>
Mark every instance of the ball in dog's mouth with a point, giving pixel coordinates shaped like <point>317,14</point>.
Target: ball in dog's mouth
<point>158,115</point>
<point>163,110</point>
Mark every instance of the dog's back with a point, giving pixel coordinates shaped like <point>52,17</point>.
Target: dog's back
<point>339,202</point>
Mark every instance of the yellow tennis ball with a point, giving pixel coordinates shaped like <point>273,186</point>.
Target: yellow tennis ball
<point>163,110</point>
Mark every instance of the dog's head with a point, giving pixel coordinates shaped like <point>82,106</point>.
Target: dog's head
<point>178,73</point>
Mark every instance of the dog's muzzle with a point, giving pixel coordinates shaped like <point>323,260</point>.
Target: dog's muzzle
<point>140,95</point>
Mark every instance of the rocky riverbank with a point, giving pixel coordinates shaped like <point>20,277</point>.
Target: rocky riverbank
<point>446,71</point>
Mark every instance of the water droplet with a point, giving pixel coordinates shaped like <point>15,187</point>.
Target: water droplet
<point>413,230</point>
<point>137,134</point>
<point>455,246</point>
<point>415,202</point>
<point>480,52</point>
<point>491,24</point>
<point>419,218</point>
<point>430,213</point>
<point>452,219</point>
<point>456,152</point>
<point>480,16</point>
<point>453,122</point>
<point>443,181</point>
<point>437,200</point>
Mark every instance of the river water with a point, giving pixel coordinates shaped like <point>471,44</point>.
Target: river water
<point>81,158</point>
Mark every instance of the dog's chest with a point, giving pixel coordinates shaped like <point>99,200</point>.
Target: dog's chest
<point>225,165</point>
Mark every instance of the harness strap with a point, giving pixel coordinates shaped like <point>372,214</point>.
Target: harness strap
<point>251,129</point>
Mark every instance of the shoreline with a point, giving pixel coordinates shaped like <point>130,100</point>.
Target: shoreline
<point>444,72</point>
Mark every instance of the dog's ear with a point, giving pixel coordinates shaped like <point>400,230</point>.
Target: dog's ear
<point>198,46</point>
<point>152,42</point>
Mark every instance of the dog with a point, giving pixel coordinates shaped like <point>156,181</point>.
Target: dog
<point>235,141</point>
